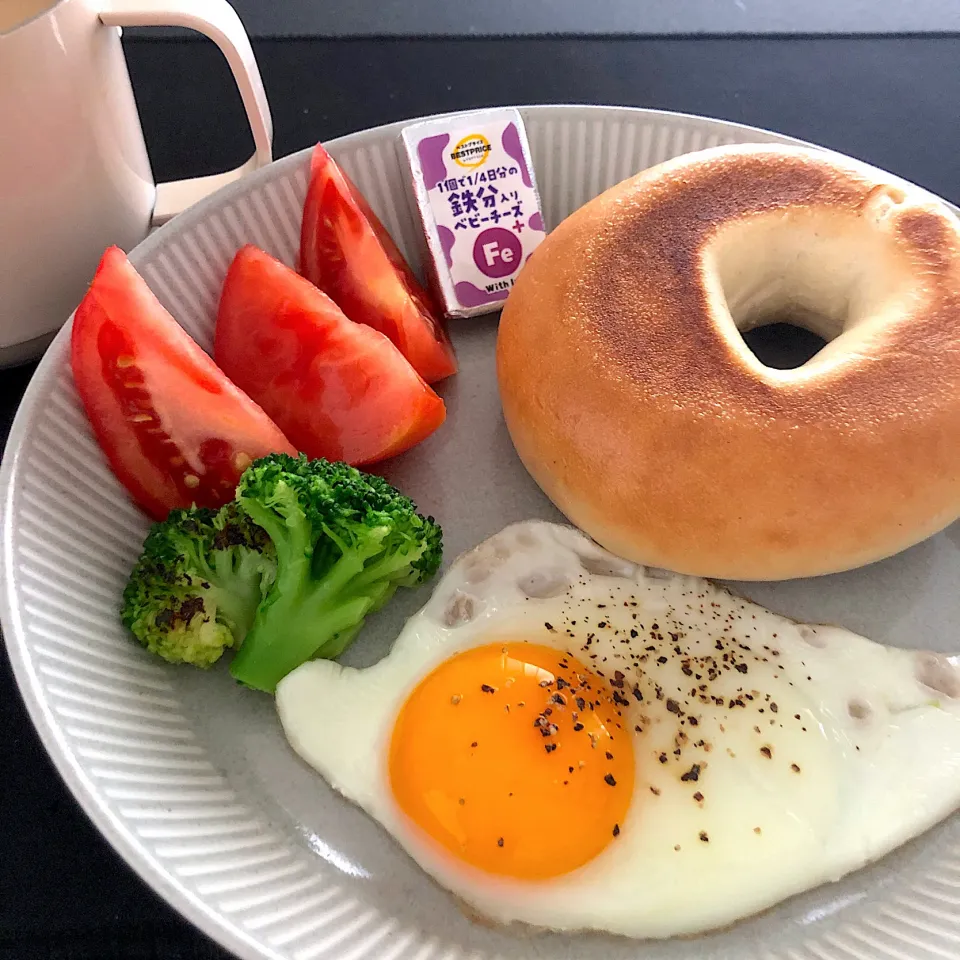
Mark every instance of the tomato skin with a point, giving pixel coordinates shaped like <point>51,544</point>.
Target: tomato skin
<point>174,429</point>
<point>338,389</point>
<point>346,251</point>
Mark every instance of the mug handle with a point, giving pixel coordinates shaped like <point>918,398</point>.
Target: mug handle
<point>217,20</point>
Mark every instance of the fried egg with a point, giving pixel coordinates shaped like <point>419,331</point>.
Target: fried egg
<point>568,740</point>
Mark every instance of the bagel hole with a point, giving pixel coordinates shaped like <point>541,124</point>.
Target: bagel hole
<point>783,344</point>
<point>794,281</point>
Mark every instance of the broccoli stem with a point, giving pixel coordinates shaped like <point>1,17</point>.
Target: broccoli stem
<point>237,609</point>
<point>305,615</point>
<point>338,643</point>
<point>236,590</point>
<point>286,633</point>
<point>289,633</point>
<point>385,569</point>
<point>284,525</point>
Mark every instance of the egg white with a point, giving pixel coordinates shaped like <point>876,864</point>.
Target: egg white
<point>815,750</point>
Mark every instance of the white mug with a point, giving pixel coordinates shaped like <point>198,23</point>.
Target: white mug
<point>74,173</point>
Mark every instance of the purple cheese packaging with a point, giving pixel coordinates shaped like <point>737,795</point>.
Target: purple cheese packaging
<point>478,205</point>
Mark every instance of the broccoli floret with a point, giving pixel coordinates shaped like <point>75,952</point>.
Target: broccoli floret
<point>344,540</point>
<point>286,572</point>
<point>197,585</point>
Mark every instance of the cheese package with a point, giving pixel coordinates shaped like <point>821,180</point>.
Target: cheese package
<point>478,204</point>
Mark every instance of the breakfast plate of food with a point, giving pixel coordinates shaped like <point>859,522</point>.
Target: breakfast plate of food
<point>368,621</point>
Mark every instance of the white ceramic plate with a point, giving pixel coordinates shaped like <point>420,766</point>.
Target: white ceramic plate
<point>189,776</point>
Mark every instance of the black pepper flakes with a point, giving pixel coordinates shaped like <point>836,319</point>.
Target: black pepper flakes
<point>692,774</point>
<point>546,728</point>
<point>698,796</point>
<point>766,751</point>
<point>703,836</point>
<point>500,842</point>
<point>486,688</point>
<point>549,747</point>
<point>794,768</point>
<point>610,780</point>
<point>616,829</point>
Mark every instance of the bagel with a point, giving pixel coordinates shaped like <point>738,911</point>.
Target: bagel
<point>634,402</point>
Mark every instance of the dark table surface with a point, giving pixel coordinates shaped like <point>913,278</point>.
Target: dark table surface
<point>408,18</point>
<point>64,894</point>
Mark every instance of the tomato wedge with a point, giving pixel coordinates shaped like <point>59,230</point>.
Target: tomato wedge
<point>346,251</point>
<point>175,430</point>
<point>338,389</point>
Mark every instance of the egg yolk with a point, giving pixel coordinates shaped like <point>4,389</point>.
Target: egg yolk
<point>516,758</point>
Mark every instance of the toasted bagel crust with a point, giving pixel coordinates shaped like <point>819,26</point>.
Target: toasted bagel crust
<point>634,403</point>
